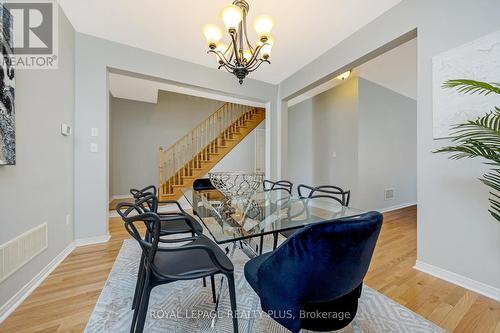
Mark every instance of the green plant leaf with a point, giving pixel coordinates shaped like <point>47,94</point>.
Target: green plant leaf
<point>479,138</point>
<point>471,86</point>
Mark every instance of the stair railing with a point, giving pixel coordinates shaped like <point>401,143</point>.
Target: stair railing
<point>195,147</point>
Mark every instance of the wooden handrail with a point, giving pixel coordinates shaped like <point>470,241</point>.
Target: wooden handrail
<point>194,148</point>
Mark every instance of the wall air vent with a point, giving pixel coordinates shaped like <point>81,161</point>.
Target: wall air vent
<point>17,252</point>
<point>388,194</point>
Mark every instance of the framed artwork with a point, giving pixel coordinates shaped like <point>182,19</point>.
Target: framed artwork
<point>7,90</point>
<point>478,60</point>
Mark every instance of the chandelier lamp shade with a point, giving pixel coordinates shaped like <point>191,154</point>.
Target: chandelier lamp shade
<point>239,56</point>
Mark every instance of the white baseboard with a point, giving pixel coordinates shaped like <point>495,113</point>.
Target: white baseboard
<point>396,207</point>
<point>9,307</point>
<point>119,197</point>
<point>92,240</point>
<point>462,281</point>
<point>381,210</point>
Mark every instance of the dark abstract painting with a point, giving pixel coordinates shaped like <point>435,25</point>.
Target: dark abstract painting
<point>7,89</point>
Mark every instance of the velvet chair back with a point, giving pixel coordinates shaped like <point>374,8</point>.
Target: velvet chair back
<point>320,263</point>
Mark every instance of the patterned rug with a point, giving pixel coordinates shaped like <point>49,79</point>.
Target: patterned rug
<point>186,306</point>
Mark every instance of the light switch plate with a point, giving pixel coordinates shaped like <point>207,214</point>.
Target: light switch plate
<point>65,129</point>
<point>94,132</point>
<point>94,148</point>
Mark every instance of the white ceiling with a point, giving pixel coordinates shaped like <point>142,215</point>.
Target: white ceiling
<point>395,70</point>
<point>144,90</point>
<point>304,29</point>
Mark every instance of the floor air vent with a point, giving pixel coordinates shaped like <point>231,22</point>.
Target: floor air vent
<point>17,252</point>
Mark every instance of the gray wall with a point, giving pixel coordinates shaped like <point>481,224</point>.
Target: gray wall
<point>362,137</point>
<point>138,129</point>
<point>242,157</point>
<point>387,127</point>
<point>91,111</point>
<point>455,231</point>
<point>320,127</point>
<point>335,116</point>
<point>300,143</point>
<point>40,187</point>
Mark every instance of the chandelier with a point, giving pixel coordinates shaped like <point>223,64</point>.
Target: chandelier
<point>240,57</point>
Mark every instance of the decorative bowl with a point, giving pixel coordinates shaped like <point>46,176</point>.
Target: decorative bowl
<point>236,184</point>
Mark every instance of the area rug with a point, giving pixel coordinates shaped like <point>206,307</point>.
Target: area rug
<point>186,306</point>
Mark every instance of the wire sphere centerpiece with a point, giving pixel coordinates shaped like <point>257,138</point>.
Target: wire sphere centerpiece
<point>236,184</point>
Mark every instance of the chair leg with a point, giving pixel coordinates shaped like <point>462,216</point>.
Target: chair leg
<point>138,284</point>
<point>137,308</point>
<point>143,307</point>
<point>212,282</point>
<point>275,241</point>
<point>204,282</point>
<point>261,244</point>
<point>232,295</point>
<point>134,320</point>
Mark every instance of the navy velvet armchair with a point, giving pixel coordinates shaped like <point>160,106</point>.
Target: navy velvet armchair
<point>317,272</point>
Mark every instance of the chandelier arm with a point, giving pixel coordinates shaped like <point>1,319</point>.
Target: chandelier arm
<point>255,55</point>
<point>227,49</point>
<point>230,52</point>
<point>235,49</point>
<point>228,65</point>
<point>246,33</point>
<point>240,40</point>
<point>221,56</point>
<point>260,62</point>
<point>226,68</point>
<point>255,65</point>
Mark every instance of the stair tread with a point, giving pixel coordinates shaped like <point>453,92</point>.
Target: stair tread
<point>239,129</point>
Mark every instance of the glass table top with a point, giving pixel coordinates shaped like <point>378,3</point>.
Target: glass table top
<point>262,213</point>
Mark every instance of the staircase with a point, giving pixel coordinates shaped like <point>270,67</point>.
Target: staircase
<point>196,153</point>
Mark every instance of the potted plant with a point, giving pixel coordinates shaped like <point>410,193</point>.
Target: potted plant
<point>479,138</point>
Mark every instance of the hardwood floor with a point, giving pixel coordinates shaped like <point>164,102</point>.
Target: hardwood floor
<point>65,300</point>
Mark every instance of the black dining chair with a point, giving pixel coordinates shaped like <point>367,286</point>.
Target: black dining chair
<point>286,185</point>
<point>319,269</point>
<point>202,184</point>
<point>147,201</point>
<point>280,185</point>
<point>324,191</point>
<point>194,257</point>
<point>136,193</point>
<point>150,202</point>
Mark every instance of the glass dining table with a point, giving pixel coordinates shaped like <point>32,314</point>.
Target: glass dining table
<point>241,221</point>
<point>246,219</point>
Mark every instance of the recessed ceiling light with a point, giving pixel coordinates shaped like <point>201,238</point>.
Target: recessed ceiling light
<point>344,76</point>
